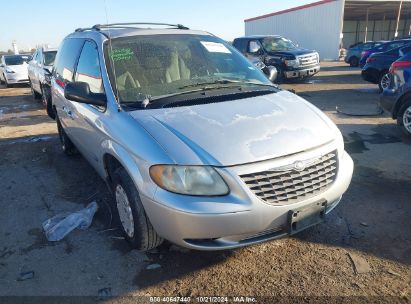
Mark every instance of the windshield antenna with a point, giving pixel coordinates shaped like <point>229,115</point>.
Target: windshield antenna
<point>110,56</point>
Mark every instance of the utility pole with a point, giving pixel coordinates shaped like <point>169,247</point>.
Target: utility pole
<point>366,26</point>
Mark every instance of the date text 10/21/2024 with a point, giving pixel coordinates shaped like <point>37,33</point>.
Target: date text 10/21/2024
<point>238,299</point>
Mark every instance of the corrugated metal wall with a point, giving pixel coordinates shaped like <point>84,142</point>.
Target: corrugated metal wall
<point>317,27</point>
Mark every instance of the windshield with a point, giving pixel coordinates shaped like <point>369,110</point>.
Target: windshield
<point>49,57</point>
<point>275,44</point>
<point>15,59</point>
<point>146,67</point>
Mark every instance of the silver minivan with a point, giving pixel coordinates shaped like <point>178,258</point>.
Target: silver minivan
<point>196,144</point>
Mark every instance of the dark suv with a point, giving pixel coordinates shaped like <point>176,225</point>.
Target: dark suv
<point>290,60</point>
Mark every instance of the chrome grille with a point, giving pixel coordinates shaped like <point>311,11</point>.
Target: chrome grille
<point>292,186</point>
<point>307,60</point>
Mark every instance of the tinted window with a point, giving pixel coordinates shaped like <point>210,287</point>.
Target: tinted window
<point>254,46</point>
<point>145,66</point>
<point>395,45</point>
<point>48,58</point>
<point>366,46</point>
<point>39,57</point>
<point>88,68</point>
<point>273,44</point>
<point>35,56</point>
<point>241,45</point>
<point>406,49</point>
<point>66,60</point>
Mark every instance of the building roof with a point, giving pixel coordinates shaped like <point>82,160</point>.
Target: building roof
<point>357,9</point>
<point>301,7</point>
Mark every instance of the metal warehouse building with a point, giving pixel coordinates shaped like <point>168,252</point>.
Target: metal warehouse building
<point>328,24</point>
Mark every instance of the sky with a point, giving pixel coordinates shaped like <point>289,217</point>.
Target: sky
<point>32,23</point>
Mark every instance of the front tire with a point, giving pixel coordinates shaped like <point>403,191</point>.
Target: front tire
<point>6,82</point>
<point>280,76</point>
<point>384,82</point>
<point>354,62</point>
<point>47,102</point>
<point>66,144</point>
<point>36,95</point>
<point>404,118</point>
<point>134,222</point>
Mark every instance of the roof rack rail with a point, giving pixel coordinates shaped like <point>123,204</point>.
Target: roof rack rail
<point>99,27</point>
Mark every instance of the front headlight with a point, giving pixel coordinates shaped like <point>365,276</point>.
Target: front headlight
<point>292,63</point>
<point>10,71</point>
<point>189,180</point>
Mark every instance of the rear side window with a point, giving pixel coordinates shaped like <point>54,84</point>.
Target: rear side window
<point>241,45</point>
<point>406,49</point>
<point>66,60</point>
<point>366,46</point>
<point>49,58</point>
<point>88,68</point>
<point>395,45</point>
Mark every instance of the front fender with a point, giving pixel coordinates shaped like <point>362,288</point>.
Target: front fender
<point>137,168</point>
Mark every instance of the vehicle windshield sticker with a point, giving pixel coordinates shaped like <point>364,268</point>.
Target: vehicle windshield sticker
<point>122,54</point>
<point>214,47</point>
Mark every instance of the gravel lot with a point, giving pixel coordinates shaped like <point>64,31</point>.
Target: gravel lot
<point>371,226</point>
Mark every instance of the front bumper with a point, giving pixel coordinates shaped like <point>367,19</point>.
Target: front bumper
<point>236,220</point>
<point>305,72</point>
<point>17,78</point>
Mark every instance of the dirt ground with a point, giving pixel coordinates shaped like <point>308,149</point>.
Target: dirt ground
<point>372,224</point>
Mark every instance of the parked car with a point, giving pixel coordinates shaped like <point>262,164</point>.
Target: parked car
<point>197,145</point>
<point>269,71</point>
<point>382,48</point>
<point>353,54</point>
<point>396,98</point>
<point>378,64</point>
<point>13,69</point>
<point>39,73</point>
<point>289,60</point>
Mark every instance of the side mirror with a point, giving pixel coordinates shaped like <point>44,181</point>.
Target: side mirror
<point>47,71</point>
<point>1,65</point>
<point>80,92</point>
<point>255,49</point>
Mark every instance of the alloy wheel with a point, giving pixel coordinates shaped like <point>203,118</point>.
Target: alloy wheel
<point>406,119</point>
<point>385,81</point>
<point>124,211</point>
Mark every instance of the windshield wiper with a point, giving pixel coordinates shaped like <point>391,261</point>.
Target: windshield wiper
<point>224,81</point>
<point>148,100</point>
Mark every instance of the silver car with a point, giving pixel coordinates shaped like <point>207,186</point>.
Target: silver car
<point>196,144</point>
<point>39,72</point>
<point>13,69</point>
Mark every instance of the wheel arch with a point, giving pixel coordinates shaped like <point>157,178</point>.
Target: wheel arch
<point>115,156</point>
<point>404,98</point>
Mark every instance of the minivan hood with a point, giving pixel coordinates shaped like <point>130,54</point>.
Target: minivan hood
<point>237,132</point>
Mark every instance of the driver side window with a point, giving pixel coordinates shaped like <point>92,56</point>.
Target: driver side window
<point>88,68</point>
